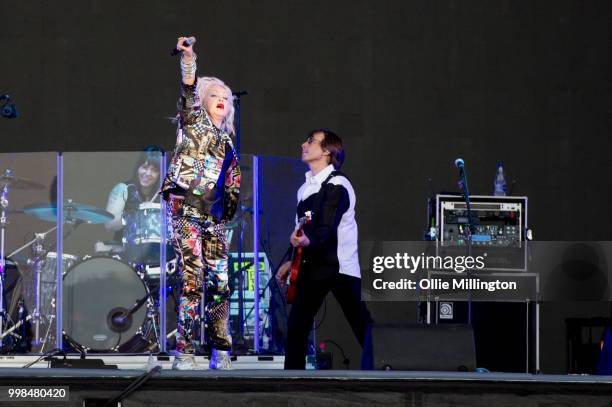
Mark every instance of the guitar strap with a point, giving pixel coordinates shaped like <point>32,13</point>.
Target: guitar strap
<point>320,198</point>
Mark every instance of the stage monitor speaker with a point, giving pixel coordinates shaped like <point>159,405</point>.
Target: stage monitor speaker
<point>447,347</point>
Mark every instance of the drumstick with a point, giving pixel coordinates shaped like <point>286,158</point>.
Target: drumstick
<point>154,196</point>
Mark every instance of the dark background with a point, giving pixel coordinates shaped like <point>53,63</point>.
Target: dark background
<point>410,86</point>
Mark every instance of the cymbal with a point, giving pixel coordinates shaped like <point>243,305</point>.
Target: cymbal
<point>72,212</point>
<point>18,183</point>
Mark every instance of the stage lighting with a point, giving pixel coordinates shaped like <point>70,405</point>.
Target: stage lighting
<point>9,111</point>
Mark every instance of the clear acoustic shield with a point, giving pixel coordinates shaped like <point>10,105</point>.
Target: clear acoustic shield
<point>28,185</point>
<point>239,232</point>
<point>113,231</point>
<point>277,181</point>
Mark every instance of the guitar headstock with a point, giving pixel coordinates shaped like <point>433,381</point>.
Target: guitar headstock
<point>308,216</point>
<point>305,219</point>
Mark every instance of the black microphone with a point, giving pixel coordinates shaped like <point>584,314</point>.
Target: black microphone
<point>187,42</point>
<point>459,163</point>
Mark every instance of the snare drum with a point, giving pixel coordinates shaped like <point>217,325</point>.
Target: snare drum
<point>142,234</point>
<point>48,280</point>
<point>49,269</point>
<point>48,289</point>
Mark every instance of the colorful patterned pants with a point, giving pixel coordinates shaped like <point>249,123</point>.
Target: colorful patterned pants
<point>201,249</point>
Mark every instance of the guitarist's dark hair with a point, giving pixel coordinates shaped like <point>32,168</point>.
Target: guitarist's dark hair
<point>333,144</point>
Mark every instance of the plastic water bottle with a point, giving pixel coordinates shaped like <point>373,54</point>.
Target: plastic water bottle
<point>499,184</point>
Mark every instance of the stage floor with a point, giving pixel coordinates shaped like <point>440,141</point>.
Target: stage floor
<point>142,362</point>
<point>262,383</point>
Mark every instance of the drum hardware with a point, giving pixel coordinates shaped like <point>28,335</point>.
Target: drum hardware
<point>37,262</point>
<point>18,183</point>
<point>126,320</point>
<point>120,319</point>
<point>38,250</point>
<point>74,213</point>
<point>8,181</point>
<point>142,234</point>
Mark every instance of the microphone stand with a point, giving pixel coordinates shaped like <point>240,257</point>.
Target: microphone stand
<point>466,196</point>
<point>241,340</point>
<point>237,96</point>
<point>470,228</point>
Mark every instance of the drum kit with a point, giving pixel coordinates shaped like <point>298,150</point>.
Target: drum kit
<point>109,300</point>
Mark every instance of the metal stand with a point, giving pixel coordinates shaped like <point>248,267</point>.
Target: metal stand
<point>4,203</point>
<point>38,259</point>
<point>240,342</point>
<point>237,96</point>
<point>470,230</point>
<point>39,255</point>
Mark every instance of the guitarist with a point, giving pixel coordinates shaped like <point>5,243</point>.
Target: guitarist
<point>329,241</point>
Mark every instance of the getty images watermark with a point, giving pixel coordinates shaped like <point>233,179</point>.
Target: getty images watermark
<point>458,264</point>
<point>543,271</point>
<point>405,271</point>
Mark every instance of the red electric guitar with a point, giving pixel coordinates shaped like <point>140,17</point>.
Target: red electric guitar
<point>296,258</point>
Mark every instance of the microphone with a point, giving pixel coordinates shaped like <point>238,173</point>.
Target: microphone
<point>189,41</point>
<point>459,163</point>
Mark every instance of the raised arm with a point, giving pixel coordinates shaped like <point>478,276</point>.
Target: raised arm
<point>189,104</point>
<point>188,58</point>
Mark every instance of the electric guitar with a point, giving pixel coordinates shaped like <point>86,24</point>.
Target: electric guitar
<point>296,258</point>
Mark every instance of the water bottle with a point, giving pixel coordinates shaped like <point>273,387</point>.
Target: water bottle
<point>499,184</point>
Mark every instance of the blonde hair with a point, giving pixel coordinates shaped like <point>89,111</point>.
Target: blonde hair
<point>204,85</point>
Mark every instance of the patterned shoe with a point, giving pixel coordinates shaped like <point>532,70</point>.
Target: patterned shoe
<point>220,360</point>
<point>184,361</point>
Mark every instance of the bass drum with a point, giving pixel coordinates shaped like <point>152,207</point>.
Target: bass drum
<point>104,304</point>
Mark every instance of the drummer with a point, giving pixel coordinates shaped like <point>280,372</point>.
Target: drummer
<point>142,188</point>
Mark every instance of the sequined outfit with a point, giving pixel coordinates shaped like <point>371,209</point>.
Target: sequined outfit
<point>202,189</point>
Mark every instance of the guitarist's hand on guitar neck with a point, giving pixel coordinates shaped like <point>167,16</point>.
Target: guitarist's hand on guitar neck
<point>299,239</point>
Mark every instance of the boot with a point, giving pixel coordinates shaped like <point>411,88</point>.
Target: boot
<point>220,360</point>
<point>184,361</point>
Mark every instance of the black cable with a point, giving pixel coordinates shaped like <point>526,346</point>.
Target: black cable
<point>53,352</point>
<point>346,361</point>
<point>134,386</point>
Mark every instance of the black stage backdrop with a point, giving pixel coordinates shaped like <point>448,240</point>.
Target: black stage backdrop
<point>409,85</point>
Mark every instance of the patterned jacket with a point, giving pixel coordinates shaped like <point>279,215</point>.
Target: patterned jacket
<point>204,166</point>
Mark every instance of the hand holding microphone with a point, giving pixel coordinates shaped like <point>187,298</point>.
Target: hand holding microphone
<point>184,45</point>
<point>459,163</point>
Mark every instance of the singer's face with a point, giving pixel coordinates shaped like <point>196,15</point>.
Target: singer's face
<point>148,175</point>
<point>217,101</point>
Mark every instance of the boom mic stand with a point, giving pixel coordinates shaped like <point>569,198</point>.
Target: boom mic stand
<point>460,164</point>
<point>241,341</point>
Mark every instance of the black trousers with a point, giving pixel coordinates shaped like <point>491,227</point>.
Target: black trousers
<point>309,297</point>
